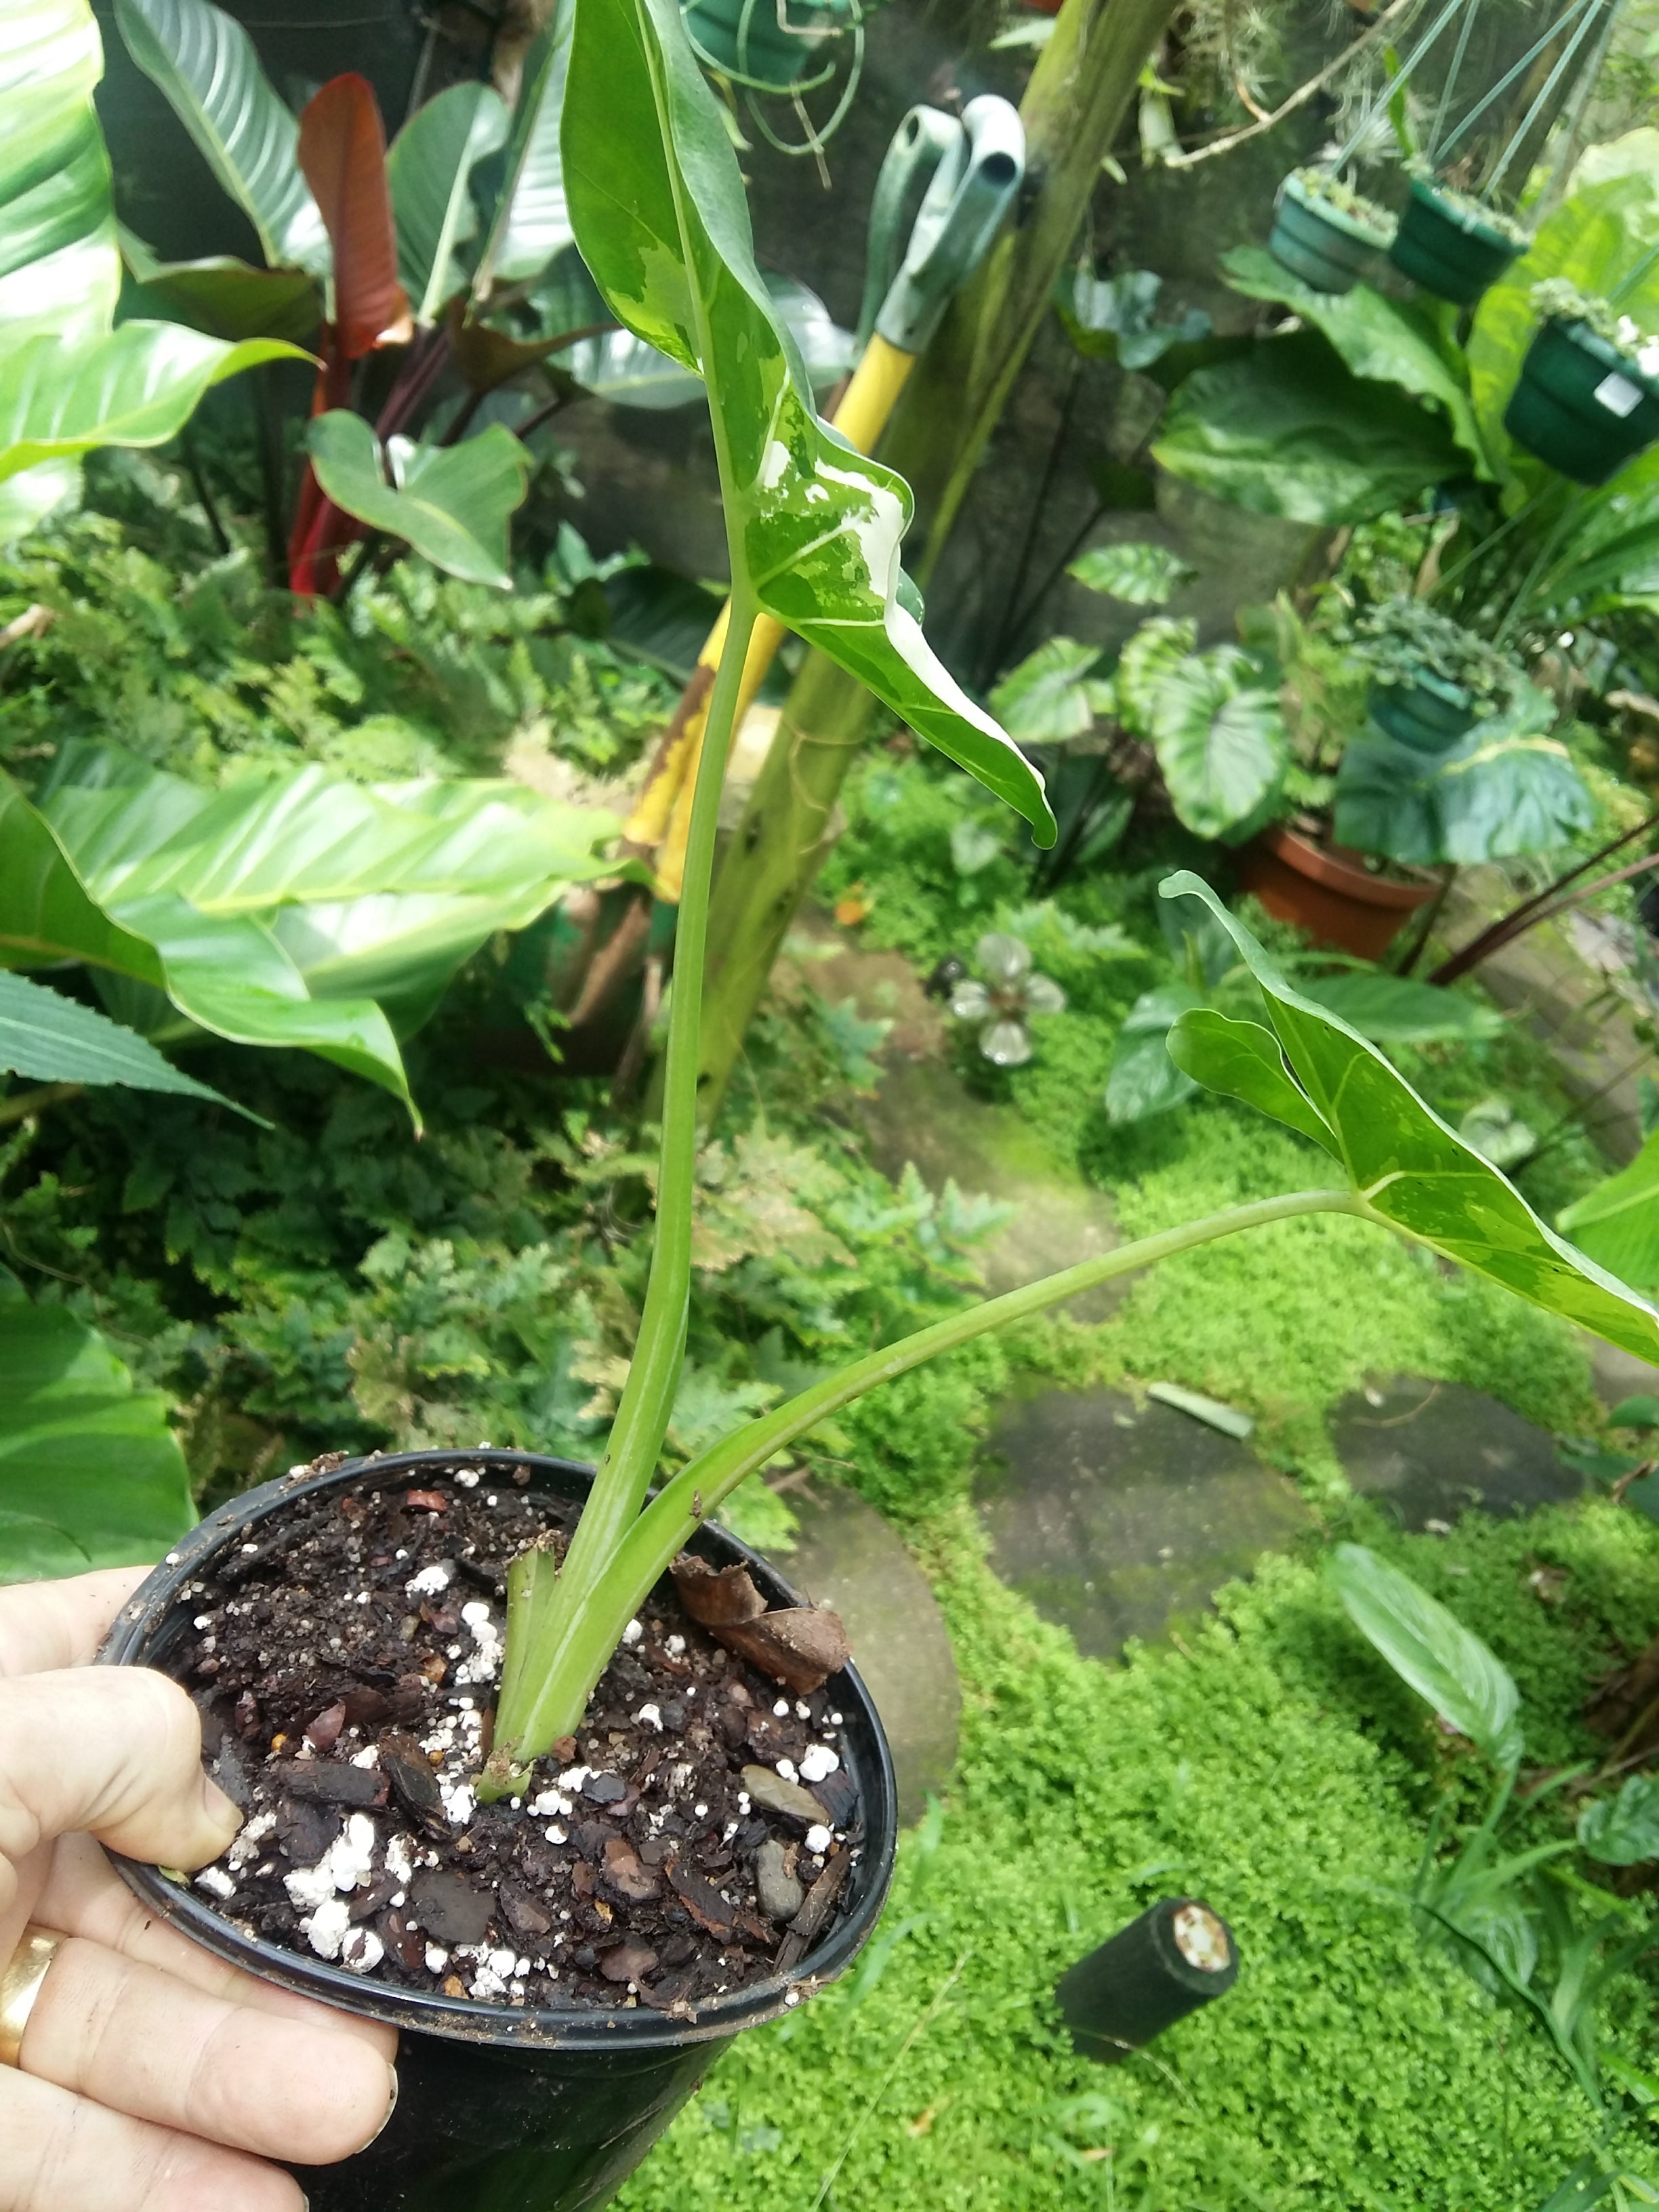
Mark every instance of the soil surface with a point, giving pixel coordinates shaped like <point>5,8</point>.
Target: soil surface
<point>695,1836</point>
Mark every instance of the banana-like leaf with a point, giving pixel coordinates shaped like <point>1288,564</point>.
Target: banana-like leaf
<point>532,223</point>
<point>59,272</point>
<point>136,386</point>
<point>221,296</point>
<point>52,1039</point>
<point>1141,575</point>
<point>660,217</point>
<point>1503,789</point>
<point>342,154</point>
<point>205,66</point>
<point>1409,1171</point>
<point>90,1473</point>
<point>451,503</point>
<point>1049,696</point>
<point>1618,1222</point>
<point>1219,738</point>
<point>429,171</point>
<point>1430,1648</point>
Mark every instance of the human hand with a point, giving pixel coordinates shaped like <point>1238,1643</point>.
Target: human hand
<point>149,2070</point>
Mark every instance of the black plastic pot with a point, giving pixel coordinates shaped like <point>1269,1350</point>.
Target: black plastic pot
<point>1582,405</point>
<point>503,2109</point>
<point>1427,713</point>
<point>1448,249</point>
<point>1316,241</point>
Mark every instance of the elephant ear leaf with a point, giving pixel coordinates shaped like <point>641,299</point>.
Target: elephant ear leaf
<point>1408,1171</point>
<point>1430,1648</point>
<point>657,202</point>
<point>1243,1060</point>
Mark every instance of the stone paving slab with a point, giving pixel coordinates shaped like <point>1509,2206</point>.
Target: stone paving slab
<point>1432,1450</point>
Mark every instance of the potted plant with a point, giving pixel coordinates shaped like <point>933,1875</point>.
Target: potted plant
<point>1588,398</point>
<point>1452,244</point>
<point>1326,232</point>
<point>1431,679</point>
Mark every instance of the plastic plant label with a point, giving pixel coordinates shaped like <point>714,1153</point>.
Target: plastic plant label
<point>1617,394</point>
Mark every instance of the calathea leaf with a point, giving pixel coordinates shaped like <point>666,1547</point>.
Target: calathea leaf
<point>1408,1171</point>
<point>1049,697</point>
<point>451,503</point>
<point>1219,738</point>
<point>660,217</point>
<point>206,64</point>
<point>1140,574</point>
<point>430,173</point>
<point>1430,1648</point>
<point>52,1039</point>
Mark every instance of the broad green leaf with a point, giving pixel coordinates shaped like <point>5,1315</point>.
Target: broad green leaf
<point>135,386</point>
<point>1243,1060</point>
<point>222,296</point>
<point>451,503</point>
<point>90,1473</point>
<point>1618,1222</point>
<point>1142,575</point>
<point>1219,738</point>
<point>1155,651</point>
<point>1430,1649</point>
<point>1503,789</point>
<point>1143,1079</point>
<point>1413,1174</point>
<point>1395,1009</point>
<point>1112,318</point>
<point>429,171</point>
<point>531,222</point>
<point>629,373</point>
<point>1048,697</point>
<point>52,1039</point>
<point>205,65</point>
<point>1288,430</point>
<point>1383,340</point>
<point>1623,1831</point>
<point>59,271</point>
<point>655,192</point>
<point>1641,1411</point>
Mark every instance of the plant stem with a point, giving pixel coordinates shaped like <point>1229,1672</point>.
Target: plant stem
<point>1521,917</point>
<point>20,1104</point>
<point>591,1634</point>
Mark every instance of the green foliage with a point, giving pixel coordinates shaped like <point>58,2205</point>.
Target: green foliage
<point>1618,1222</point>
<point>1430,1648</point>
<point>450,504</point>
<point>1141,575</point>
<point>54,1039</point>
<point>1405,638</point>
<point>1623,1830</point>
<point>1506,788</point>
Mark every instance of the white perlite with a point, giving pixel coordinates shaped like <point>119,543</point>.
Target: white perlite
<point>246,1845</point>
<point>484,1663</point>
<point>632,1633</point>
<point>431,1581</point>
<point>327,1929</point>
<point>650,1717</point>
<point>217,1882</point>
<point>819,1840</point>
<point>817,1761</point>
<point>362,1950</point>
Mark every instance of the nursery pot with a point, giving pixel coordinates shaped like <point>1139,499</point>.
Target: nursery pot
<point>1317,242</point>
<point>506,2109</point>
<point>1581,405</point>
<point>1325,890</point>
<point>764,50</point>
<point>1448,249</point>
<point>1427,713</point>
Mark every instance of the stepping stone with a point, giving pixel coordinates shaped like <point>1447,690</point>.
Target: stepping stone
<point>846,1556</point>
<point>1118,1521</point>
<point>1433,1450</point>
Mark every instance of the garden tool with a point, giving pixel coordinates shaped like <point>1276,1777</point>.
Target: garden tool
<point>968,173</point>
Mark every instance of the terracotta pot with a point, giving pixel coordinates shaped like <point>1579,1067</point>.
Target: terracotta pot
<point>1325,890</point>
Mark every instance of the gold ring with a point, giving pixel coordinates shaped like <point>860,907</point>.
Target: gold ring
<point>19,1985</point>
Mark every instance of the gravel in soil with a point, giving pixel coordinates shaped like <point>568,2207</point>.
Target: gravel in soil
<point>695,1836</point>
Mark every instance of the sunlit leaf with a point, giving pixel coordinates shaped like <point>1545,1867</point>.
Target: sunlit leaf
<point>59,271</point>
<point>429,171</point>
<point>531,222</point>
<point>451,504</point>
<point>1616,1223</point>
<point>342,153</point>
<point>1430,1649</point>
<point>53,1039</point>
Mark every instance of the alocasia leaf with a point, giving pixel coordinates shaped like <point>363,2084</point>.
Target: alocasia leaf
<point>660,217</point>
<point>1430,1648</point>
<point>430,170</point>
<point>1143,1080</point>
<point>1505,788</point>
<point>1219,738</point>
<point>1409,1171</point>
<point>1049,697</point>
<point>342,152</point>
<point>451,503</point>
<point>1141,575</point>
<point>1623,1831</point>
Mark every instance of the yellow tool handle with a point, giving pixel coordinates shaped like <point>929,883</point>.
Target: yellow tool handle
<point>663,816</point>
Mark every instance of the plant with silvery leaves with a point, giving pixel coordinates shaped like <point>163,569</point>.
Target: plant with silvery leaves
<point>1003,1002</point>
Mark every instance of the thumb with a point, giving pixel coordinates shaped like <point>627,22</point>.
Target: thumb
<point>113,1750</point>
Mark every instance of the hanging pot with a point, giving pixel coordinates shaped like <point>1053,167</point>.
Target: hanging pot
<point>747,39</point>
<point>1316,241</point>
<point>1448,248</point>
<point>504,2109</point>
<point>1325,891</point>
<point>1427,713</point>
<point>1582,404</point>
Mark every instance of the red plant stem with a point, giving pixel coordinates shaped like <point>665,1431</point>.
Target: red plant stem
<point>1520,918</point>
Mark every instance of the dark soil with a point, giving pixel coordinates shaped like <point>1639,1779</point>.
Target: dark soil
<point>348,1713</point>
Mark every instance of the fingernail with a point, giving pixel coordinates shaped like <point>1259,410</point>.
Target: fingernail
<point>389,2109</point>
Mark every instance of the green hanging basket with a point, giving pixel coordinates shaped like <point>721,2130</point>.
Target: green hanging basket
<point>747,41</point>
<point>1318,241</point>
<point>1449,248</point>
<point>1428,714</point>
<point>1582,404</point>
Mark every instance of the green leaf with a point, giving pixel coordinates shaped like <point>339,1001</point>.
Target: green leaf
<point>629,373</point>
<point>1047,698</point>
<point>1430,1649</point>
<point>531,222</point>
<point>1243,1060</point>
<point>451,503</point>
<point>1623,1831</point>
<point>222,296</point>
<point>90,1473</point>
<point>1395,1009</point>
<point>1111,318</point>
<point>1143,1079</point>
<point>1383,340</point>
<point>132,386</point>
<point>430,173</point>
<point>655,192</point>
<point>1616,1223</point>
<point>1288,430</point>
<point>1155,651</point>
<point>1413,1173</point>
<point>52,1039</point>
<point>205,65</point>
<point>1503,789</point>
<point>59,271</point>
<point>1219,738</point>
<point>1141,575</point>
<point>1641,1411</point>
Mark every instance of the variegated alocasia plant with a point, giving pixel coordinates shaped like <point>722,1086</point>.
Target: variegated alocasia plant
<point>813,532</point>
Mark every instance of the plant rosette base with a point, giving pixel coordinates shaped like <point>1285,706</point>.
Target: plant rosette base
<point>1319,242</point>
<point>1328,891</point>
<point>562,1970</point>
<point>1447,248</point>
<point>761,52</point>
<point>1582,405</point>
<point>1427,713</point>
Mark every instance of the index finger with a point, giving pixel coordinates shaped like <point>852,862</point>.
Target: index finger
<point>44,1626</point>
